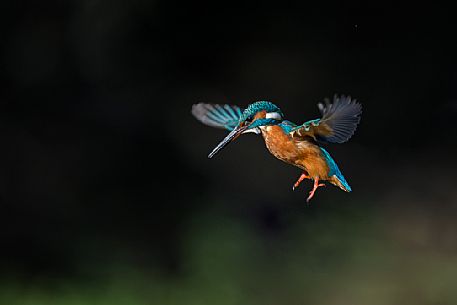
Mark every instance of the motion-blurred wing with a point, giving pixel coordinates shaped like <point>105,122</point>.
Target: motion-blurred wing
<point>220,116</point>
<point>338,123</point>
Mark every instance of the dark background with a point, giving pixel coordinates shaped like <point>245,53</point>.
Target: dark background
<point>106,193</point>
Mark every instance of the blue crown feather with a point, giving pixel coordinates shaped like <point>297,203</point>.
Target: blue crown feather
<point>253,108</point>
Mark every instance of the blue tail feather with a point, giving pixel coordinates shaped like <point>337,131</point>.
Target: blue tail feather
<point>334,170</point>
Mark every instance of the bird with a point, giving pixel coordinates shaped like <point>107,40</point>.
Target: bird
<point>298,145</point>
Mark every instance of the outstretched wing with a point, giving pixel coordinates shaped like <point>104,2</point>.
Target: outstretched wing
<point>338,123</point>
<point>220,116</point>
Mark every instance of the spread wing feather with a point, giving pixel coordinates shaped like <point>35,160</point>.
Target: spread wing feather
<point>338,123</point>
<point>219,116</point>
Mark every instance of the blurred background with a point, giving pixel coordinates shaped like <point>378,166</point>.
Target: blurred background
<point>106,193</point>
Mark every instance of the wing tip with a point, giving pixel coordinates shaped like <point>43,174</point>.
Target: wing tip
<point>216,115</point>
<point>343,115</point>
<point>199,110</point>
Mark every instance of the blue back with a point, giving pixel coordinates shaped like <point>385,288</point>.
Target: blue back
<point>287,126</point>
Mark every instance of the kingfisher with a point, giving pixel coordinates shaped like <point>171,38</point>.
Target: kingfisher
<point>298,145</point>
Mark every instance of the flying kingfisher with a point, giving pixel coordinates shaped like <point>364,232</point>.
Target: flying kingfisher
<point>298,145</point>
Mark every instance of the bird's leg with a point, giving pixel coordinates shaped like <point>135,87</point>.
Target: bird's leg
<point>316,185</point>
<point>302,177</point>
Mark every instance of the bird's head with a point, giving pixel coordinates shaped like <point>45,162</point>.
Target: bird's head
<point>255,116</point>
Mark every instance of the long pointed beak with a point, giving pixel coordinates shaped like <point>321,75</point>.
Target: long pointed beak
<point>235,133</point>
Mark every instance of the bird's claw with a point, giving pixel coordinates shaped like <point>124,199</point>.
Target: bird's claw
<point>295,186</point>
<point>300,179</point>
<point>311,193</point>
<point>316,185</point>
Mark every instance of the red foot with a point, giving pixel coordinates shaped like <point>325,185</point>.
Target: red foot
<point>316,185</point>
<point>302,177</point>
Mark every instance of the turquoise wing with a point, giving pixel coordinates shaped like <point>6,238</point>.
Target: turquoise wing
<point>219,116</point>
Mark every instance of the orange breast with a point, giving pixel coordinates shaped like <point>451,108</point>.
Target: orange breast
<point>302,154</point>
<point>280,144</point>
